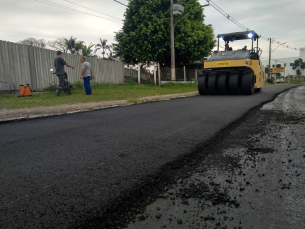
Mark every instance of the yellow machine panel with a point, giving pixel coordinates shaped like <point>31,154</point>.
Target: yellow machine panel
<point>233,71</point>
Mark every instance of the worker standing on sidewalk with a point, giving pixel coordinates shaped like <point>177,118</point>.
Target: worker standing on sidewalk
<point>59,64</point>
<point>86,75</point>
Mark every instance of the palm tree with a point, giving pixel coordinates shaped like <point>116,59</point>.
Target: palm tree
<point>87,50</point>
<point>102,46</point>
<point>111,55</point>
<point>73,45</point>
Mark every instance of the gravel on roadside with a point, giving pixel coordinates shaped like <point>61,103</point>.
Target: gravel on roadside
<point>255,177</point>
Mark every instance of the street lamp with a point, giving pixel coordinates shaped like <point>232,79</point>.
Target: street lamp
<point>178,10</point>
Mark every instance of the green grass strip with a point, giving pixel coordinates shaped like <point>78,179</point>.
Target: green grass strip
<point>100,92</point>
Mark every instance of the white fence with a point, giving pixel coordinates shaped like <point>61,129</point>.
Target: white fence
<point>134,74</point>
<point>181,74</point>
<point>22,64</point>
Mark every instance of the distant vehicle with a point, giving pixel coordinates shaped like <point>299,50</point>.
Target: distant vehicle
<point>280,80</point>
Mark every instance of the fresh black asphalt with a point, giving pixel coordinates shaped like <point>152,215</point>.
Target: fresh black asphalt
<point>56,172</point>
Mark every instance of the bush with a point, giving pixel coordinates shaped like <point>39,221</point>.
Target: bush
<point>51,88</point>
<point>78,85</point>
<point>270,81</point>
<point>178,85</point>
<point>150,83</point>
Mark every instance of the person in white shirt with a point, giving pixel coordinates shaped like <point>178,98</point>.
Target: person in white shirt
<point>86,75</point>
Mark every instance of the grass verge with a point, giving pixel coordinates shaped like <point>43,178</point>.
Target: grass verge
<point>100,92</point>
<point>297,82</point>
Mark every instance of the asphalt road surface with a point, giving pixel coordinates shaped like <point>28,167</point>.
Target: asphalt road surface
<point>253,179</point>
<point>84,170</point>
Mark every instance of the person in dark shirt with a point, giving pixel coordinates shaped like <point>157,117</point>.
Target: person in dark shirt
<point>227,47</point>
<point>59,64</point>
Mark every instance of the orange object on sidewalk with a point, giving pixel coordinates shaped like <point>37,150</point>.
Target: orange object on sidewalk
<point>22,90</point>
<point>25,90</point>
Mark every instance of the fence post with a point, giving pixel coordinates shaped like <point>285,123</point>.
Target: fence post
<point>184,75</point>
<point>155,76</point>
<point>159,74</point>
<point>139,73</point>
<point>196,76</point>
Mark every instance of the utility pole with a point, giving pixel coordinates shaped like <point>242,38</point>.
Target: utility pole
<point>178,9</point>
<point>173,68</point>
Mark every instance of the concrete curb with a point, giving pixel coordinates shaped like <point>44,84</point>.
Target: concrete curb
<point>95,106</point>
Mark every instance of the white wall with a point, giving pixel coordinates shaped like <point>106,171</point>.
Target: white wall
<point>282,61</point>
<point>23,64</point>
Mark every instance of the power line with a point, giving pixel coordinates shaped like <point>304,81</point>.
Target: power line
<point>227,15</point>
<point>92,10</point>
<point>286,46</point>
<point>120,3</point>
<point>273,41</point>
<point>151,14</point>
<point>71,9</point>
<point>244,27</point>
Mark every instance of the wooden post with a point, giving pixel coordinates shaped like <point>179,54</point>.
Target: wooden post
<point>184,73</point>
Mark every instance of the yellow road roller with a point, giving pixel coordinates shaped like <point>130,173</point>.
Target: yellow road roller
<point>233,71</point>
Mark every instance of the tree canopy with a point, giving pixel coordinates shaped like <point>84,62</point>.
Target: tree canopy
<point>145,35</point>
<point>299,66</point>
<point>59,44</point>
<point>87,50</point>
<point>103,45</point>
<point>40,43</point>
<point>73,45</point>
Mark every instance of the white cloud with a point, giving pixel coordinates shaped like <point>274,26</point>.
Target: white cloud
<point>279,19</point>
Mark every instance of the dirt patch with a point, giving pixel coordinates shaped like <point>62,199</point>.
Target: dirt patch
<point>36,112</point>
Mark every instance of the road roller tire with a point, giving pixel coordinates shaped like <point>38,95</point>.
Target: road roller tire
<point>257,90</point>
<point>235,84</point>
<point>203,84</point>
<point>223,83</point>
<point>248,81</point>
<point>212,84</point>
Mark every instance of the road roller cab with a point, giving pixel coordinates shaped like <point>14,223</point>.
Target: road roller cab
<point>232,71</point>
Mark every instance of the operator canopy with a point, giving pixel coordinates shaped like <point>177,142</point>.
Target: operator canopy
<point>238,36</point>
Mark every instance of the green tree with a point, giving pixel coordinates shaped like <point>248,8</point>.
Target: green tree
<point>299,66</point>
<point>103,45</point>
<point>145,35</point>
<point>73,45</point>
<point>87,50</point>
<point>113,53</point>
<point>111,56</point>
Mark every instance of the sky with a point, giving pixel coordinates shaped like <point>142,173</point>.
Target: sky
<point>90,20</point>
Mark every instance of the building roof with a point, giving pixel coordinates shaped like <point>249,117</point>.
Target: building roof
<point>238,36</point>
